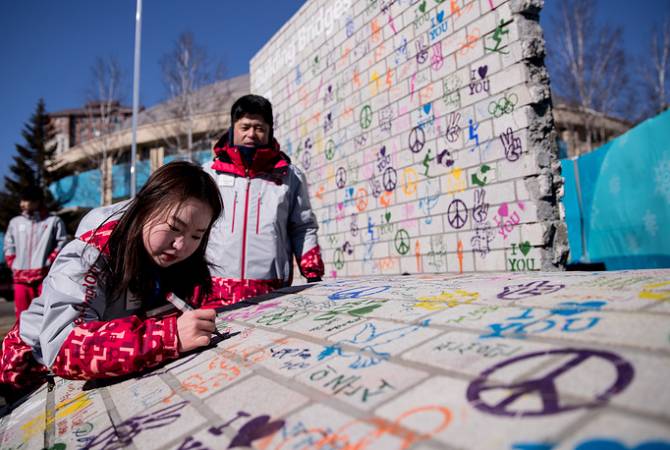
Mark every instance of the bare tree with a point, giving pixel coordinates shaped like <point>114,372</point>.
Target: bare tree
<point>103,109</point>
<point>186,70</point>
<point>588,62</point>
<point>656,69</point>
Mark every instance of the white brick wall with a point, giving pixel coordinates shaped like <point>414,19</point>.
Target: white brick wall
<point>440,86</point>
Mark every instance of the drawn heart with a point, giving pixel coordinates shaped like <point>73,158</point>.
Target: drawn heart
<point>387,216</point>
<point>351,192</point>
<point>524,247</point>
<point>502,211</point>
<point>426,107</point>
<point>422,6</point>
<point>482,71</point>
<point>440,16</point>
<point>572,308</point>
<point>340,206</point>
<point>382,151</point>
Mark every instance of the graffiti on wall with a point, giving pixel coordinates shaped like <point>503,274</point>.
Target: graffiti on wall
<point>410,108</point>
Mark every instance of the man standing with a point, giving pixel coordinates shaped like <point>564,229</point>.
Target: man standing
<point>267,216</point>
<point>32,242</point>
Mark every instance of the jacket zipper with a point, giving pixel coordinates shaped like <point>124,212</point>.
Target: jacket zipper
<point>232,227</point>
<point>30,245</point>
<point>244,229</point>
<point>258,213</point>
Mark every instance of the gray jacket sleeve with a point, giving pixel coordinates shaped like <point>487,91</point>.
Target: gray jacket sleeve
<point>9,244</point>
<point>72,290</point>
<point>60,234</point>
<point>303,226</point>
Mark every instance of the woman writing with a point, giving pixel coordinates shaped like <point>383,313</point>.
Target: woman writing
<point>93,318</point>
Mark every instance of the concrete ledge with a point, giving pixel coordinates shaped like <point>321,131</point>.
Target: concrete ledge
<point>479,361</point>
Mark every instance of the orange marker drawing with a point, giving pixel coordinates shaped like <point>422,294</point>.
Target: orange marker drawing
<point>417,251</point>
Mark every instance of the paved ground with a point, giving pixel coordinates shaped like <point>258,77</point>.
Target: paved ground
<point>534,361</point>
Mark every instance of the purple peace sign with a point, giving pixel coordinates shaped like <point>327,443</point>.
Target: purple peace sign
<point>417,139</point>
<point>389,179</point>
<point>340,177</point>
<point>457,214</point>
<point>306,160</point>
<point>544,387</point>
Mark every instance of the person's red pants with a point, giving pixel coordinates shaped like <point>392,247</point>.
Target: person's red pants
<point>23,295</point>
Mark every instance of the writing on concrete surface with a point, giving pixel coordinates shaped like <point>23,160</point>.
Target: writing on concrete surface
<point>398,361</point>
<point>411,111</point>
<point>545,387</point>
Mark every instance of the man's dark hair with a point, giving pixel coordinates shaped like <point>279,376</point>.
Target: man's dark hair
<point>32,194</point>
<point>253,105</point>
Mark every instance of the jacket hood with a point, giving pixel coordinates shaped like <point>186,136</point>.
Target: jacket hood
<point>266,160</point>
<point>99,237</point>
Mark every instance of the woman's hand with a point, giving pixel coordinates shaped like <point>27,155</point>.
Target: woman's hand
<point>195,328</point>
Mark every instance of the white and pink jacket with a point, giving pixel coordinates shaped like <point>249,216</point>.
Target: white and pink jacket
<point>75,330</point>
<point>32,242</point>
<point>266,220</point>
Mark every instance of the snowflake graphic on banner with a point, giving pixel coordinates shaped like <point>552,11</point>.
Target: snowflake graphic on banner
<point>662,179</point>
<point>633,244</point>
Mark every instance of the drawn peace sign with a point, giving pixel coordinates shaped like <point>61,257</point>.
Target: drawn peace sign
<point>390,179</point>
<point>457,214</point>
<point>353,228</point>
<point>417,139</point>
<point>338,260</point>
<point>365,118</point>
<point>340,177</point>
<point>361,199</point>
<point>545,387</point>
<point>401,241</point>
<point>306,159</point>
<point>330,149</point>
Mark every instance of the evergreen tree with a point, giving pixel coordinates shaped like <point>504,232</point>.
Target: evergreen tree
<point>30,165</point>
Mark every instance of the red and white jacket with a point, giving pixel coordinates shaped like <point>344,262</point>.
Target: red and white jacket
<point>266,220</point>
<point>31,244</point>
<point>73,329</point>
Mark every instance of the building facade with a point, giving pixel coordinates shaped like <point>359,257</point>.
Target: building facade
<point>78,125</point>
<point>97,163</point>
<point>581,131</point>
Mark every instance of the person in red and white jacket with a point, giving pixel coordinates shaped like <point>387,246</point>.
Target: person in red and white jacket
<point>267,219</point>
<point>32,242</point>
<point>97,314</point>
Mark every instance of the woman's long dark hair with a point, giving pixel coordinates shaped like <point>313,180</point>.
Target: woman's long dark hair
<point>129,266</point>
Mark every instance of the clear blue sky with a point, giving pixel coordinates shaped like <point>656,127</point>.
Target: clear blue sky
<point>48,47</point>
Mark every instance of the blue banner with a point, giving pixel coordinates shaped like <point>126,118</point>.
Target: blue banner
<point>625,199</point>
